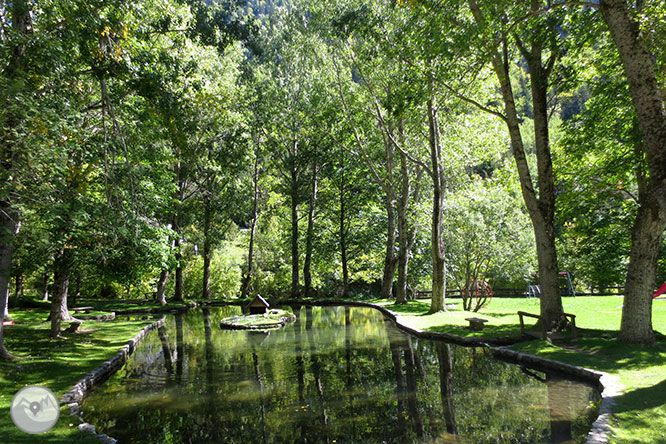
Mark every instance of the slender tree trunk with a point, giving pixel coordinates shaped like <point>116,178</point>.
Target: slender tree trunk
<point>161,287</point>
<point>178,287</point>
<point>20,284</point>
<point>71,300</point>
<point>309,241</point>
<point>646,236</point>
<point>205,291</point>
<point>551,309</point>
<point>7,228</point>
<point>62,270</point>
<point>295,279</point>
<point>438,301</point>
<point>247,279</point>
<point>343,234</point>
<point>45,287</point>
<point>389,258</point>
<point>403,232</point>
<point>646,94</point>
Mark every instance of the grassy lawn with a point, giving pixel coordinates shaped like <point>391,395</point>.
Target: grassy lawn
<point>640,413</point>
<point>56,364</point>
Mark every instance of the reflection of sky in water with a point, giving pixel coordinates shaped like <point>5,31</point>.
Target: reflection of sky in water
<point>342,374</point>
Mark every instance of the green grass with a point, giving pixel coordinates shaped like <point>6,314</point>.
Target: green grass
<point>640,413</point>
<point>56,364</point>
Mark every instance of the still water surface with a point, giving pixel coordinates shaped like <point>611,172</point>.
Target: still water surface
<point>337,375</point>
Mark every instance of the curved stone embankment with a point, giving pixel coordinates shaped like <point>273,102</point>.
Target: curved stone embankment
<point>608,385</point>
<point>78,392</point>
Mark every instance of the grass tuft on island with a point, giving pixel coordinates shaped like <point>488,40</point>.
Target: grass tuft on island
<point>275,318</point>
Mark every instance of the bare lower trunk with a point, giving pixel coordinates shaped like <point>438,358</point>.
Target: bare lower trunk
<point>77,290</point>
<point>295,279</point>
<point>403,232</point>
<point>45,287</point>
<point>389,258</point>
<point>309,241</point>
<point>161,287</point>
<point>6,249</point>
<point>646,236</point>
<point>245,286</point>
<point>59,312</point>
<point>205,285</point>
<point>342,229</point>
<point>205,290</point>
<point>438,301</point>
<point>178,285</point>
<point>18,289</point>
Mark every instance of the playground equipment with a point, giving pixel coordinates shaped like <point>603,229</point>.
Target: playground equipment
<point>565,284</point>
<point>659,292</point>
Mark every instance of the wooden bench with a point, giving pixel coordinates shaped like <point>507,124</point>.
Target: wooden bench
<point>571,322</point>
<point>82,309</point>
<point>476,324</point>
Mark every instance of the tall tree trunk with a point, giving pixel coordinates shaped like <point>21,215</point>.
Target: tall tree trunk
<point>309,240</point>
<point>161,287</point>
<point>551,309</point>
<point>180,183</point>
<point>205,290</point>
<point>77,290</point>
<point>403,232</point>
<point>646,236</point>
<point>7,229</point>
<point>647,97</point>
<point>62,270</point>
<point>178,285</point>
<point>20,284</point>
<point>438,301</point>
<point>540,208</point>
<point>247,279</point>
<point>343,232</point>
<point>45,287</point>
<point>389,258</point>
<point>295,280</point>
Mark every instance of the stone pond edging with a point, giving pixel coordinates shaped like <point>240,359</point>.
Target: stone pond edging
<point>80,390</point>
<point>606,383</point>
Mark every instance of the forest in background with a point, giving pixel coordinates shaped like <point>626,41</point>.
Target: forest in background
<point>198,149</point>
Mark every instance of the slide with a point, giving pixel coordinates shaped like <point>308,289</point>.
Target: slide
<point>659,292</point>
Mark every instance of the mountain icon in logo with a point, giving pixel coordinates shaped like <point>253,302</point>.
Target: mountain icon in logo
<point>35,409</point>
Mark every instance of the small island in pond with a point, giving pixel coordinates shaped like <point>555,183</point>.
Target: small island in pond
<point>272,319</point>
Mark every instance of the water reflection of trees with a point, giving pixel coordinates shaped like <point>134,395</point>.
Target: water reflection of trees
<point>335,374</point>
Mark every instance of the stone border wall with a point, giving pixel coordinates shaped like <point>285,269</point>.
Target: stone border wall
<point>75,395</point>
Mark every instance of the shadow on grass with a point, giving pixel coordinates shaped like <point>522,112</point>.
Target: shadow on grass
<point>489,331</point>
<point>411,308</point>
<point>642,398</point>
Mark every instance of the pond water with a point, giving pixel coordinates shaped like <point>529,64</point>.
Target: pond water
<point>337,375</point>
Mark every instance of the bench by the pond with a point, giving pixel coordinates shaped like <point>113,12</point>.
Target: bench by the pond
<point>476,323</point>
<point>568,317</point>
<point>82,309</point>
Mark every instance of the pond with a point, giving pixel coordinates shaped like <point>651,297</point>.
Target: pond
<point>336,375</point>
